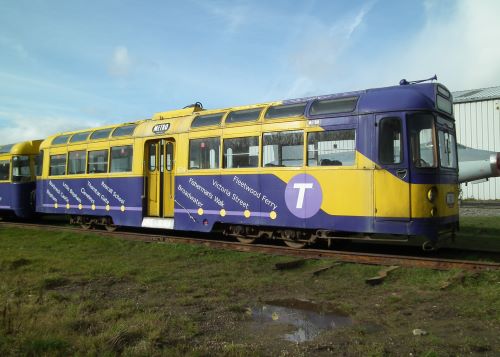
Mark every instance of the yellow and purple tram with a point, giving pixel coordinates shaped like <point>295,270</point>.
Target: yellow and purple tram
<point>370,164</point>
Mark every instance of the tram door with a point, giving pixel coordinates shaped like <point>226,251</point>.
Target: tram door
<point>159,177</point>
<point>392,191</point>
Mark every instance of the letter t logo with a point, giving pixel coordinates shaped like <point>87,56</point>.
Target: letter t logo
<point>302,190</point>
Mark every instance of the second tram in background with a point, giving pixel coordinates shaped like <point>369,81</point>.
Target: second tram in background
<point>374,164</point>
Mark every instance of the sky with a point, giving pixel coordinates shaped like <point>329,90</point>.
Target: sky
<point>67,65</point>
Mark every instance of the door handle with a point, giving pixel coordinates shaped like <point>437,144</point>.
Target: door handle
<point>401,173</point>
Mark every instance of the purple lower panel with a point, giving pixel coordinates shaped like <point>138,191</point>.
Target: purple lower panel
<point>18,198</point>
<point>119,198</point>
<point>5,196</point>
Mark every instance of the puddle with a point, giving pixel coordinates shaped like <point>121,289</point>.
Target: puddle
<point>308,319</point>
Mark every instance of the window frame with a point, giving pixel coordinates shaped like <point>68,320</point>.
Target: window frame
<point>131,158</point>
<point>109,130</point>
<point>435,147</point>
<point>121,127</point>
<point>65,155</point>
<point>79,137</point>
<point>401,145</point>
<point>66,136</point>
<point>21,178</point>
<point>224,159</point>
<point>218,157</point>
<point>259,110</point>
<point>69,160</point>
<point>331,130</point>
<point>194,126</point>
<point>281,106</point>
<point>280,151</point>
<point>9,169</point>
<point>354,99</point>
<point>89,152</point>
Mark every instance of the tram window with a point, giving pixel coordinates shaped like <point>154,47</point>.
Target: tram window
<point>61,139</point>
<point>241,152</point>
<point>97,162</point>
<point>331,148</point>
<point>444,104</point>
<point>5,149</point>
<point>121,158</point>
<point>333,106</point>
<point>207,120</point>
<point>57,165</point>
<point>76,162</point>
<point>152,156</point>
<point>21,171</point>
<point>126,130</point>
<point>76,138</point>
<point>390,148</point>
<point>422,140</point>
<point>170,156</point>
<point>243,115</point>
<point>100,134</point>
<point>4,170</point>
<point>447,151</point>
<point>39,163</point>
<point>204,153</point>
<point>283,149</point>
<point>285,111</point>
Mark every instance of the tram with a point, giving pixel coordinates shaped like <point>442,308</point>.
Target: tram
<point>18,166</point>
<point>374,164</point>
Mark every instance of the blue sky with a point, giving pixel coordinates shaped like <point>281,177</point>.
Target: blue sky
<point>67,65</point>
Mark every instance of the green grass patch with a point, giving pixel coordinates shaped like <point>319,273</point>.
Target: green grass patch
<point>82,294</point>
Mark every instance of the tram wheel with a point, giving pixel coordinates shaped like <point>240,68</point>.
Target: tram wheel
<point>85,223</point>
<point>245,240</point>
<point>111,227</point>
<point>294,244</point>
<point>290,238</point>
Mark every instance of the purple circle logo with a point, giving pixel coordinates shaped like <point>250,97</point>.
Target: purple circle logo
<point>303,195</point>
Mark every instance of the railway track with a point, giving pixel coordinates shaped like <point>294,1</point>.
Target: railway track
<point>343,256</point>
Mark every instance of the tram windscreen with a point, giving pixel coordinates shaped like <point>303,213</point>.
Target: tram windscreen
<point>422,140</point>
<point>21,171</point>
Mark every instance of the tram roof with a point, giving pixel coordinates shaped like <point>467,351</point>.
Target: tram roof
<point>419,96</point>
<point>21,148</point>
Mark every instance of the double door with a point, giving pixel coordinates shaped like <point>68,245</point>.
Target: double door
<point>159,177</point>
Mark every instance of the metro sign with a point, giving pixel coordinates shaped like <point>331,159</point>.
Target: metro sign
<point>161,128</point>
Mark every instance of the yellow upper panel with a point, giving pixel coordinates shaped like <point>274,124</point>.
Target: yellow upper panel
<point>166,123</point>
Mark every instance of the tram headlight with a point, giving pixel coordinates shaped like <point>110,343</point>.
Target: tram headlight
<point>434,212</point>
<point>432,194</point>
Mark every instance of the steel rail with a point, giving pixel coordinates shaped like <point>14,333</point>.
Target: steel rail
<point>343,256</point>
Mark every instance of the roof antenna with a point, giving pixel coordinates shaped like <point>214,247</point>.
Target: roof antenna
<point>404,82</point>
<point>196,105</point>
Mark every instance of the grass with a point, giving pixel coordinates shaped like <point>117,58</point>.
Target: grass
<point>79,294</point>
<point>479,233</point>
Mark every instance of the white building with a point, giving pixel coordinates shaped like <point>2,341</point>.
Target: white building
<point>477,115</point>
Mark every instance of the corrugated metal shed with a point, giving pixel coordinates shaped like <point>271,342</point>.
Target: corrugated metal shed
<point>477,115</point>
<point>475,95</point>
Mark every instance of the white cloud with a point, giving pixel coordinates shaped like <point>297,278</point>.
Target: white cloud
<point>461,48</point>
<point>25,126</point>
<point>121,62</point>
<point>316,62</point>
<point>233,16</point>
<point>458,41</point>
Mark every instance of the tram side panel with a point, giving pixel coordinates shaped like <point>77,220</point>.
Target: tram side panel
<point>117,197</point>
<point>5,196</point>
